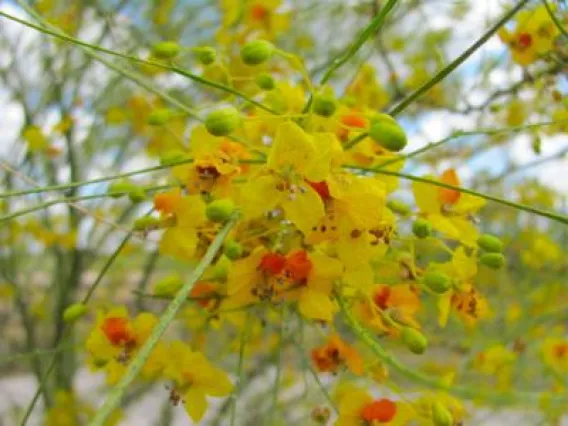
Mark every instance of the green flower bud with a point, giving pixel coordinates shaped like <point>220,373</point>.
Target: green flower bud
<point>436,281</point>
<point>120,188</point>
<point>492,260</point>
<point>168,286</point>
<point>265,81</point>
<point>223,121</point>
<point>99,362</point>
<point>324,105</point>
<point>206,55</point>
<point>220,270</point>
<point>257,52</point>
<point>422,228</point>
<point>490,243</point>
<point>146,222</point>
<point>233,250</point>
<point>166,50</point>
<point>537,145</point>
<point>73,312</point>
<point>159,116</point>
<point>137,195</point>
<point>387,133</point>
<point>414,340</point>
<point>220,210</point>
<point>441,416</point>
<point>398,207</point>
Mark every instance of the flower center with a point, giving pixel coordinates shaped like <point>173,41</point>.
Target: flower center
<point>272,263</point>
<point>525,40</point>
<point>381,410</point>
<point>298,266</point>
<point>322,189</point>
<point>259,12</point>
<point>381,298</point>
<point>117,331</point>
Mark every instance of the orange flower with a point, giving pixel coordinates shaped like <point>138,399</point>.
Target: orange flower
<point>118,331</point>
<point>358,407</point>
<point>330,357</point>
<point>206,293</point>
<point>449,196</point>
<point>381,410</point>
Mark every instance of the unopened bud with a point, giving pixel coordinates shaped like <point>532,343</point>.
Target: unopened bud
<point>257,52</point>
<point>321,415</point>
<point>206,55</point>
<point>168,286</point>
<point>422,228</point>
<point>223,121</point>
<point>120,188</point>
<point>414,340</point>
<point>398,207</point>
<point>265,81</point>
<point>146,223</point>
<point>436,281</point>
<point>490,243</point>
<point>233,250</point>
<point>159,116</point>
<point>73,312</point>
<point>324,105</point>
<point>166,50</point>
<point>387,133</point>
<point>492,260</point>
<point>220,210</point>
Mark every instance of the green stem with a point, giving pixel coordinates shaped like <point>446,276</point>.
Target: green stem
<point>551,215</point>
<point>92,181</point>
<point>555,19</point>
<point>355,141</point>
<point>460,133</point>
<point>371,29</point>
<point>240,365</point>
<point>117,393</point>
<point>194,77</point>
<point>53,362</point>
<point>457,62</point>
<point>473,393</point>
<point>278,362</point>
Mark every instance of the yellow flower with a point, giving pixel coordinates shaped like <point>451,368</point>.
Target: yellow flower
<point>181,240</point>
<point>115,340</point>
<point>295,157</point>
<point>366,91</point>
<point>335,354</point>
<point>534,35</point>
<point>497,361</point>
<point>194,378</point>
<point>555,354</point>
<point>357,407</point>
<point>464,298</point>
<point>449,211</point>
<point>300,276</point>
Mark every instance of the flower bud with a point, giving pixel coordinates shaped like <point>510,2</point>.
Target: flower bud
<point>220,271</point>
<point>387,133</point>
<point>233,250</point>
<point>536,145</point>
<point>441,416</point>
<point>321,415</point>
<point>414,340</point>
<point>436,281</point>
<point>73,312</point>
<point>120,188</point>
<point>490,243</point>
<point>137,195</point>
<point>257,52</point>
<point>206,55</point>
<point>324,105</point>
<point>265,81</point>
<point>168,286</point>
<point>398,207</point>
<point>223,121</point>
<point>492,260</point>
<point>166,50</point>
<point>145,223</point>
<point>159,116</point>
<point>422,228</point>
<point>220,210</point>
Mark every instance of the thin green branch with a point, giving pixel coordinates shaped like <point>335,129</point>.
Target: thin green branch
<point>371,29</point>
<point>551,215</point>
<point>240,365</point>
<point>177,70</point>
<point>457,62</point>
<point>472,393</point>
<point>117,393</point>
<point>555,19</point>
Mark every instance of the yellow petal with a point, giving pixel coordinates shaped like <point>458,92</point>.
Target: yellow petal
<point>260,195</point>
<point>304,208</point>
<point>179,243</point>
<point>292,149</point>
<point>426,197</point>
<point>315,305</point>
<point>195,403</point>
